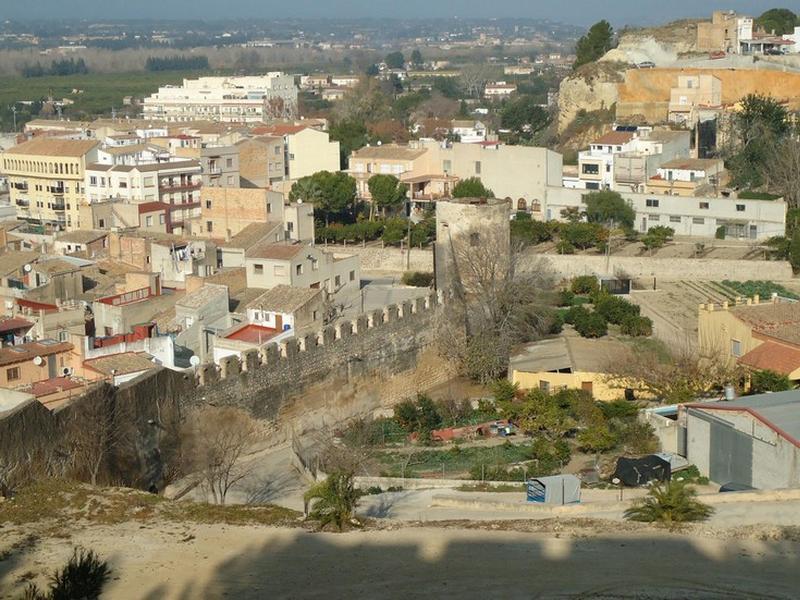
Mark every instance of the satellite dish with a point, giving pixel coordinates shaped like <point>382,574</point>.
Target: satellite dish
<point>194,360</point>
<point>38,361</point>
<point>27,268</point>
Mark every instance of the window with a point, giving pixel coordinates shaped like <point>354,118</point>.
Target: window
<point>209,226</point>
<point>447,166</point>
<point>123,184</point>
<point>590,169</point>
<point>736,348</point>
<point>314,265</point>
<point>289,226</point>
<point>477,167</point>
<point>208,203</point>
<point>674,219</point>
<point>162,219</point>
<point>12,374</point>
<point>101,223</point>
<point>352,275</point>
<point>92,180</point>
<point>258,269</point>
<point>298,269</point>
<point>651,203</point>
<point>337,281</point>
<point>740,208</point>
<point>231,180</point>
<point>544,386</point>
<point>291,156</point>
<point>704,205</point>
<point>698,220</point>
<point>229,163</point>
<point>608,168</point>
<point>654,218</point>
<point>592,185</point>
<point>277,150</point>
<point>148,221</point>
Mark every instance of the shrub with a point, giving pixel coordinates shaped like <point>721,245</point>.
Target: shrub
<point>417,279</point>
<point>618,409</point>
<point>592,325</point>
<point>636,326</point>
<point>556,323</point>
<point>597,438</point>
<point>769,381</point>
<point>574,314</point>
<point>564,247</point>
<point>669,504</point>
<point>504,390</point>
<point>83,577</point>
<point>615,309</point>
<point>637,437</point>
<point>529,232</point>
<point>582,235</point>
<point>565,298</point>
<point>720,233</point>
<point>585,284</point>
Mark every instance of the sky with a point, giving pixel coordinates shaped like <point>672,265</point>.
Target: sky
<point>578,12</point>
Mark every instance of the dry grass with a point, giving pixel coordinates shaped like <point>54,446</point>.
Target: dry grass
<point>58,503</point>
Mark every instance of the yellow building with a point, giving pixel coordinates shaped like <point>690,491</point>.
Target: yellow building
<point>570,362</point>
<point>45,177</point>
<point>754,334</point>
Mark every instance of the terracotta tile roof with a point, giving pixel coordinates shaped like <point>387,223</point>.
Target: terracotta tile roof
<point>778,320</point>
<point>12,355</point>
<point>773,356</point>
<point>54,385</point>
<point>389,152</point>
<point>49,146</point>
<point>614,138</point>
<point>122,364</point>
<point>284,298</point>
<point>13,323</point>
<point>275,251</point>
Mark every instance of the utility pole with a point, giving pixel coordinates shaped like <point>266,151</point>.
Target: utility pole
<point>14,112</point>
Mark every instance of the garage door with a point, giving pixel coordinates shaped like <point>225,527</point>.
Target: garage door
<point>730,452</point>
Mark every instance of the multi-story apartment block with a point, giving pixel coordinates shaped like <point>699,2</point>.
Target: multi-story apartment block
<point>261,161</point>
<point>305,150</point>
<point>46,180</point>
<point>596,165</point>
<point>176,183</point>
<point>226,99</point>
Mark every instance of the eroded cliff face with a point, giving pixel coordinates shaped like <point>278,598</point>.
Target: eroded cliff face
<point>592,87</point>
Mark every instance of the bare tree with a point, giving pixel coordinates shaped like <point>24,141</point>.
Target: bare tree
<point>94,432</point>
<point>218,439</point>
<point>782,171</point>
<point>474,78</point>
<point>498,302</point>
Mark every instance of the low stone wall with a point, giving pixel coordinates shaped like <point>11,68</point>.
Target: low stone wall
<point>669,269</point>
<point>413,483</point>
<point>374,258</point>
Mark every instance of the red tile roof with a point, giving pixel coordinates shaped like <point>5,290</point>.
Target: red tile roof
<point>614,138</point>
<point>148,207</point>
<point>14,323</point>
<point>253,334</point>
<point>773,356</point>
<point>54,385</point>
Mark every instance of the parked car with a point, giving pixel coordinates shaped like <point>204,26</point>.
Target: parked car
<point>716,55</point>
<point>647,64</point>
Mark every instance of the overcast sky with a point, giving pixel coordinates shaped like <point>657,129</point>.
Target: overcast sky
<point>579,12</point>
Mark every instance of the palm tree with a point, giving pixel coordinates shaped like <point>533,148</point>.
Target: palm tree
<point>336,499</point>
<point>668,504</point>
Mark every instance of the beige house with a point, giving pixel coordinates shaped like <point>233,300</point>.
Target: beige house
<point>46,180</point>
<point>305,150</point>
<point>693,94</point>
<point>284,307</point>
<point>261,161</point>
<point>570,362</point>
<point>269,265</point>
<point>688,177</point>
<point>755,334</point>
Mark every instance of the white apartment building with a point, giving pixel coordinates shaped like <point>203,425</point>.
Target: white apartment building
<point>499,89</point>
<point>794,38</point>
<point>176,183</point>
<point>688,216</point>
<point>469,131</point>
<point>596,165</point>
<point>225,99</point>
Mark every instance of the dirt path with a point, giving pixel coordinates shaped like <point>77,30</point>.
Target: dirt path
<point>210,562</point>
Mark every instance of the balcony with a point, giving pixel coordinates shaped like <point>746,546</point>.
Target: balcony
<point>169,187</point>
<point>22,203</point>
<point>20,186</point>
<point>60,207</point>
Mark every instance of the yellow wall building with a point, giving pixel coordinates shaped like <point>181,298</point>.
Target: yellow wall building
<point>45,177</point>
<point>570,362</point>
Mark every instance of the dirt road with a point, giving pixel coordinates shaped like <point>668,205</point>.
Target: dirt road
<point>186,562</point>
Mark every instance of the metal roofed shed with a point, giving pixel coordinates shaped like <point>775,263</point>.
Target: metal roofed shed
<point>555,489</point>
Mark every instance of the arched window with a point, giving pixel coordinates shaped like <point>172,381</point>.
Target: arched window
<point>522,204</point>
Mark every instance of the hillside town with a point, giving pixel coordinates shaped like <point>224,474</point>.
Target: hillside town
<point>476,279</point>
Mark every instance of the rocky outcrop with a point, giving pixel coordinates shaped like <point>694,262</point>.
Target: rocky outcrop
<point>592,87</point>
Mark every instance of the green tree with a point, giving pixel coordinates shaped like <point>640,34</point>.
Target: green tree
<point>794,251</point>
<point>597,438</point>
<point>585,284</point>
<point>351,136</point>
<point>471,188</point>
<point>608,207</point>
<point>762,123</point>
<point>386,191</point>
<point>395,60</point>
<point>582,235</point>
<point>656,237</point>
<point>597,41</point>
<point>636,326</point>
<point>779,20</point>
<point>334,500</point>
<point>447,87</point>
<point>529,232</point>
<point>669,504</point>
<point>591,325</point>
<point>335,192</point>
<point>769,381</point>
<point>305,189</point>
<point>373,70</point>
<point>416,58</point>
<point>524,117</point>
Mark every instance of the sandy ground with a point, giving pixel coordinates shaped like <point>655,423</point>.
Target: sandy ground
<point>187,562</point>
